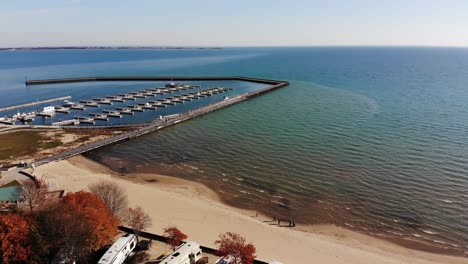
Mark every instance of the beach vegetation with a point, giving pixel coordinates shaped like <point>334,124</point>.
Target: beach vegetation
<point>113,196</point>
<point>78,224</point>
<point>174,236</point>
<point>14,238</point>
<point>20,143</point>
<point>235,246</point>
<point>32,196</point>
<point>138,220</point>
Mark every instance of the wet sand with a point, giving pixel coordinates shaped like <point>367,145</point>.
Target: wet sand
<point>198,211</point>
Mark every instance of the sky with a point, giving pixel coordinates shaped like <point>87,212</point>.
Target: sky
<point>26,23</point>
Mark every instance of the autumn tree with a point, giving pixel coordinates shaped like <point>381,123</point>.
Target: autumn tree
<point>80,224</point>
<point>114,197</point>
<point>235,246</point>
<point>174,236</point>
<point>14,242</point>
<point>31,195</point>
<point>138,220</point>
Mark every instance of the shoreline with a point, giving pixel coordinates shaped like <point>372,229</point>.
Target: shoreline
<point>192,207</point>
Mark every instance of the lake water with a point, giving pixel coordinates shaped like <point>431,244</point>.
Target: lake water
<point>372,139</point>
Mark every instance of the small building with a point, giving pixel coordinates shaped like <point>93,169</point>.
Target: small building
<point>10,194</point>
<point>187,253</point>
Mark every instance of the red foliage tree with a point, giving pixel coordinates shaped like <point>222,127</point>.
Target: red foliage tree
<point>14,242</point>
<point>81,223</point>
<point>174,236</point>
<point>235,246</point>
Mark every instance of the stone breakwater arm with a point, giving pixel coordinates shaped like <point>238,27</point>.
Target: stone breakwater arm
<point>35,103</point>
<point>157,124</point>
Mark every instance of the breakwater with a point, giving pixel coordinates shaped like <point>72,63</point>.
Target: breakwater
<point>159,123</point>
<point>35,103</point>
<point>153,78</point>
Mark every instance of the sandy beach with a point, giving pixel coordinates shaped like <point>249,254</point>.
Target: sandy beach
<point>198,212</point>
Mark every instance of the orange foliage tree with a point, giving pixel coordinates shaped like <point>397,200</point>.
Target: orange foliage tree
<point>235,246</point>
<point>80,224</point>
<point>174,236</point>
<point>14,242</point>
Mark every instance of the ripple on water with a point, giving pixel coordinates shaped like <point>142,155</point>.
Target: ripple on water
<point>335,157</point>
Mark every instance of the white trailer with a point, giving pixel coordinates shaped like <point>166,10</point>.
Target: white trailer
<point>119,251</point>
<point>187,253</point>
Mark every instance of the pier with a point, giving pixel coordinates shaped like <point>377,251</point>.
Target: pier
<point>162,122</point>
<point>35,103</point>
<point>141,129</point>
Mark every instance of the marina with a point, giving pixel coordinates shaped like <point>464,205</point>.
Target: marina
<point>171,98</point>
<point>160,122</point>
<point>338,114</point>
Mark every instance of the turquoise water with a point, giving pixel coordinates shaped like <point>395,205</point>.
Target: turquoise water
<point>372,139</point>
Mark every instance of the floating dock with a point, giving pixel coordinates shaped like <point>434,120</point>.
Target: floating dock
<point>66,122</point>
<point>61,109</point>
<point>77,107</point>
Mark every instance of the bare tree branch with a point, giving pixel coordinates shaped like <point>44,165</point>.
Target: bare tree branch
<point>138,220</point>
<point>114,197</point>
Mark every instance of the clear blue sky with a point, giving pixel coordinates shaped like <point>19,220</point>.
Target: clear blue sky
<point>234,23</point>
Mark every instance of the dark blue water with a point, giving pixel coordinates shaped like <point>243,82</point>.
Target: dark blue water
<point>89,90</point>
<point>373,139</point>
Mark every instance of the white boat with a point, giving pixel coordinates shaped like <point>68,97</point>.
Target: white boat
<point>171,85</point>
<point>67,103</point>
<point>46,111</point>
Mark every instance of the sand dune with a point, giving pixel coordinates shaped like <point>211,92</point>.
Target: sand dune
<point>197,211</point>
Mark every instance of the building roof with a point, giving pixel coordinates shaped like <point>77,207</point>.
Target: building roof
<point>10,193</point>
<point>12,183</point>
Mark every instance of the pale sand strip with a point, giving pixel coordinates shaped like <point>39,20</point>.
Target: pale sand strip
<point>196,210</point>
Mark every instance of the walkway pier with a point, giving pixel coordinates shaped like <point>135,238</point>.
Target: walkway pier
<point>163,122</point>
<point>35,103</point>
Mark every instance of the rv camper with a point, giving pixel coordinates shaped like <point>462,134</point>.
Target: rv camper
<point>187,253</point>
<point>119,251</point>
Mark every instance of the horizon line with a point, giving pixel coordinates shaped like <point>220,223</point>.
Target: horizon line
<point>222,46</point>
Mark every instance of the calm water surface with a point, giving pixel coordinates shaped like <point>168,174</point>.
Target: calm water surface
<point>373,139</point>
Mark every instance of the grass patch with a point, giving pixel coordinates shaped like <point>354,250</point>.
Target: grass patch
<point>23,143</point>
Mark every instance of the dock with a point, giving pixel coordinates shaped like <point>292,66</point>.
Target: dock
<point>66,122</point>
<point>160,123</point>
<point>35,103</point>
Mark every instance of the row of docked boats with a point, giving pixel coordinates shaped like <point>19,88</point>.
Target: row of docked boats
<point>67,106</point>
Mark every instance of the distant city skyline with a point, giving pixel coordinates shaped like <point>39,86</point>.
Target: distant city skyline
<point>28,23</point>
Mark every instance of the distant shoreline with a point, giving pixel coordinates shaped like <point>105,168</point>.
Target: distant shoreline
<point>110,48</point>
